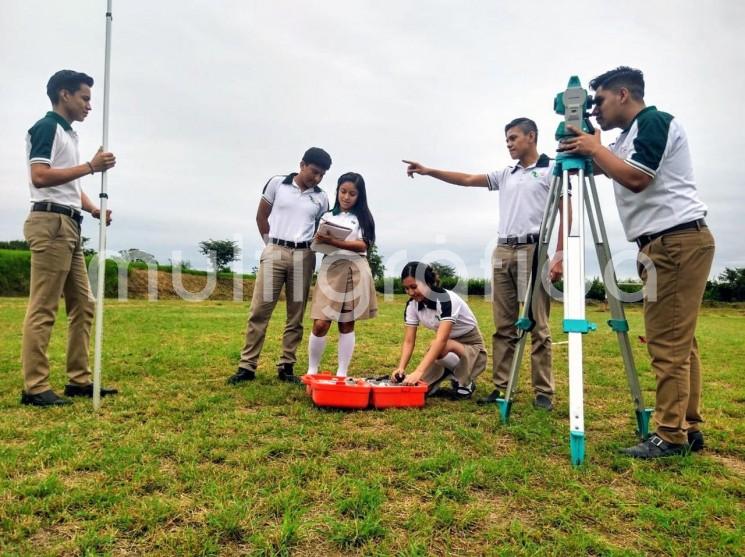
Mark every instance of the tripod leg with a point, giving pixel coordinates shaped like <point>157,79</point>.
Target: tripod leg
<point>575,323</point>
<point>618,321</point>
<point>525,323</point>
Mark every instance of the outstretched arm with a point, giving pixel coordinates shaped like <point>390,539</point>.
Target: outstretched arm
<point>457,178</point>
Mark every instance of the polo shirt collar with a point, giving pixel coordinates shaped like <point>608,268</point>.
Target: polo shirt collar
<point>289,181</point>
<point>542,162</point>
<point>60,120</point>
<point>431,301</point>
<point>642,111</point>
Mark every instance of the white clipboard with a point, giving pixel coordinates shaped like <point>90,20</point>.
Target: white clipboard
<point>330,229</point>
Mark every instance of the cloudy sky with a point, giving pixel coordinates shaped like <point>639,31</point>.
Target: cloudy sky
<point>210,99</point>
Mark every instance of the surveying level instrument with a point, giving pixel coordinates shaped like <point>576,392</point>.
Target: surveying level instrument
<point>573,104</point>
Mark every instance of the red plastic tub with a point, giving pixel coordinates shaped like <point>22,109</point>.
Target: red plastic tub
<point>309,379</point>
<point>398,396</point>
<point>341,392</point>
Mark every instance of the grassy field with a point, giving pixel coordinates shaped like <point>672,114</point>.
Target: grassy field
<point>181,464</point>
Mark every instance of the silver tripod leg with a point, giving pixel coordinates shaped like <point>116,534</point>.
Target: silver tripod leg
<point>524,324</point>
<point>618,322</point>
<point>575,323</point>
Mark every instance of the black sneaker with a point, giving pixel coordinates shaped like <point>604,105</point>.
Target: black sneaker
<point>285,373</point>
<point>696,441</point>
<point>544,402</point>
<point>655,447</point>
<point>491,398</point>
<point>463,392</point>
<point>435,389</point>
<point>241,375</point>
<point>87,390</point>
<point>47,398</point>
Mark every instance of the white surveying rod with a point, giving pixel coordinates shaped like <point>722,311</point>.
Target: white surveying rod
<point>103,199</point>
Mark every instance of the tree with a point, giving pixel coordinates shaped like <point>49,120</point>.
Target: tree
<point>135,255</point>
<point>729,286</point>
<point>15,245</point>
<point>220,252</point>
<point>376,262</point>
<point>84,244</point>
<point>443,271</point>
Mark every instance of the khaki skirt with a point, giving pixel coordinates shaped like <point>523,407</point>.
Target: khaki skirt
<point>345,290</point>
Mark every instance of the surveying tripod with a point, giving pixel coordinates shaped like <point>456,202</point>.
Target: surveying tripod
<point>573,103</point>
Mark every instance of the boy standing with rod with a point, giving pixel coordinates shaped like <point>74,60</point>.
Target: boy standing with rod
<point>52,231</point>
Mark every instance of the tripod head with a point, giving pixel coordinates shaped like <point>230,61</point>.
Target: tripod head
<point>573,104</point>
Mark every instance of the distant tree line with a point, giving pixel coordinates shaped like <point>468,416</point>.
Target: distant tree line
<point>729,286</point>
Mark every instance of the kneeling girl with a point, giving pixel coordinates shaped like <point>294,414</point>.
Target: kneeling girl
<point>458,351</point>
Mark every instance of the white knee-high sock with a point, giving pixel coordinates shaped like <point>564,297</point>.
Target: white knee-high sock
<point>346,349</point>
<point>449,361</point>
<point>316,346</point>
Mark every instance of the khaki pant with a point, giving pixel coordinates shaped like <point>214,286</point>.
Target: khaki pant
<point>681,263</point>
<point>279,266</point>
<point>511,267</point>
<point>57,268</point>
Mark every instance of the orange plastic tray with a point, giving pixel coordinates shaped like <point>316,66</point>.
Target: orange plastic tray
<point>398,396</point>
<point>340,393</point>
<point>309,379</point>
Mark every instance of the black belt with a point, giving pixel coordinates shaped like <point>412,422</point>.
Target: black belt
<point>49,207</point>
<point>643,240</point>
<point>518,240</point>
<point>287,244</point>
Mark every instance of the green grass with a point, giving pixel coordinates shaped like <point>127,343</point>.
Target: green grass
<point>181,464</point>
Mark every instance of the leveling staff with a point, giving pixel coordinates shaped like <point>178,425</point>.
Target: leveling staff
<point>52,231</point>
<point>523,193</point>
<point>650,165</point>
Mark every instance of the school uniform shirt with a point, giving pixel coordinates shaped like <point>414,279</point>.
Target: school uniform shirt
<point>656,144</point>
<point>347,220</point>
<point>523,192</point>
<point>445,305</point>
<point>295,212</point>
<point>52,141</point>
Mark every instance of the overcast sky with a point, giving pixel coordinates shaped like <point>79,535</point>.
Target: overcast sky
<point>210,99</point>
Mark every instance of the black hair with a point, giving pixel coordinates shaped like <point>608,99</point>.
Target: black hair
<point>68,80</point>
<point>317,156</point>
<point>360,208</point>
<point>526,125</point>
<point>622,76</point>
<point>421,272</point>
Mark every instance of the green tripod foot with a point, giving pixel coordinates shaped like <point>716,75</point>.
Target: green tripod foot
<point>577,447</point>
<point>642,422</point>
<point>504,409</point>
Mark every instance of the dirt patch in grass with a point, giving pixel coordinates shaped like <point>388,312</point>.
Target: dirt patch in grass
<point>732,464</point>
<point>137,286</point>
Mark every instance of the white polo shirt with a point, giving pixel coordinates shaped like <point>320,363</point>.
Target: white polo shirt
<point>52,141</point>
<point>656,144</point>
<point>522,197</point>
<point>295,213</point>
<point>446,306</point>
<point>348,220</point>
